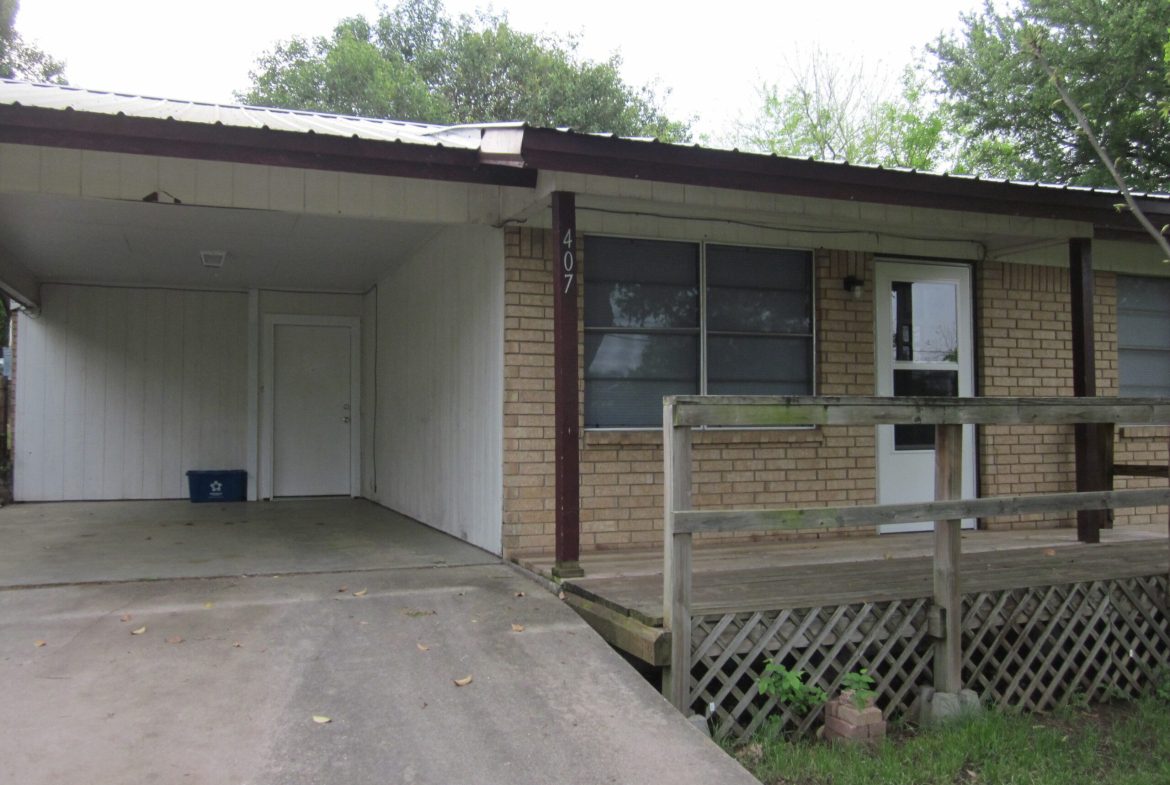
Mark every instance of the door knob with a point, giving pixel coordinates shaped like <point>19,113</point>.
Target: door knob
<point>345,419</point>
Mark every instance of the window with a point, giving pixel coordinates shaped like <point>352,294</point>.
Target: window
<point>652,328</point>
<point>1143,336</point>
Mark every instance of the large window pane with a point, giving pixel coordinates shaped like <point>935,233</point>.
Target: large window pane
<point>1143,336</point>
<point>756,365</point>
<point>759,290</point>
<point>628,374</point>
<point>641,283</point>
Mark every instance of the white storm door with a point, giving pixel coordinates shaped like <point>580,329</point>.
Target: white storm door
<point>923,348</point>
<point>312,416</point>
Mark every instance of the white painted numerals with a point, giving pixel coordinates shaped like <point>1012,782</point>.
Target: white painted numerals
<point>568,260</point>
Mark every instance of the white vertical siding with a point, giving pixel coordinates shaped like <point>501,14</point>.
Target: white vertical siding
<point>121,391</point>
<point>440,357</point>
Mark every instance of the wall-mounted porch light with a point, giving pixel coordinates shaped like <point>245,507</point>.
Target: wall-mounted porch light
<point>214,259</point>
<point>855,286</point>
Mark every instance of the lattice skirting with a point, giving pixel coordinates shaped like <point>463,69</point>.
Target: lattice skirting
<point>1030,648</point>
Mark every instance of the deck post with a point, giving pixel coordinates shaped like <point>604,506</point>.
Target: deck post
<point>948,484</point>
<point>566,414</point>
<point>1091,472</point>
<point>676,558</point>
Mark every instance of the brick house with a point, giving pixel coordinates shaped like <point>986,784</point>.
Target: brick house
<point>475,325</point>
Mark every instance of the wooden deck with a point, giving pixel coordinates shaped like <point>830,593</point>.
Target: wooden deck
<point>621,593</point>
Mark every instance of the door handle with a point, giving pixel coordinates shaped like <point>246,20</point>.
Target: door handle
<point>345,419</point>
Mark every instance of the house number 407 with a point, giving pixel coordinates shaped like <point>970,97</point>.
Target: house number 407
<point>568,260</point>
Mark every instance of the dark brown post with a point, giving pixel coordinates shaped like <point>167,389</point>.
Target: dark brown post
<point>1090,454</point>
<point>565,279</point>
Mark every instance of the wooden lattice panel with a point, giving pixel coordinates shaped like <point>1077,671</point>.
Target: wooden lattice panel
<point>1028,648</point>
<point>730,652</point>
<point>1034,648</point>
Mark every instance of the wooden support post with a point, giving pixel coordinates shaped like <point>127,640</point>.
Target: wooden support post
<point>676,559</point>
<point>1091,473</point>
<point>566,415</point>
<point>948,484</point>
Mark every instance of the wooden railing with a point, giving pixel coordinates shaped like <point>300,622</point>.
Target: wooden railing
<point>682,414</point>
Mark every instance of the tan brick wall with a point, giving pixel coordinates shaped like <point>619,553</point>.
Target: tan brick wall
<point>1026,350</point>
<point>621,471</point>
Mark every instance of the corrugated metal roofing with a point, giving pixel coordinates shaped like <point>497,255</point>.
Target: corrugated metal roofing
<point>63,97</point>
<point>467,137</point>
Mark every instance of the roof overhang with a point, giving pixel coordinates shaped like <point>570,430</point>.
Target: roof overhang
<point>655,161</point>
<point>69,128</point>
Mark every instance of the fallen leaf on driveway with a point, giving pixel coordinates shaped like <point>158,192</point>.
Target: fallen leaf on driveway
<point>519,594</point>
<point>321,719</point>
<point>209,605</point>
<point>517,628</point>
<point>138,631</point>
<point>561,596</point>
<point>361,593</point>
<point>1050,551</point>
<point>414,613</point>
<point>464,681</point>
<point>423,647</point>
<point>237,645</point>
<point>126,617</point>
<point>39,644</point>
<point>175,639</point>
<point>343,590</point>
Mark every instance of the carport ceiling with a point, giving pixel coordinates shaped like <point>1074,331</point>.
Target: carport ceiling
<point>110,241</point>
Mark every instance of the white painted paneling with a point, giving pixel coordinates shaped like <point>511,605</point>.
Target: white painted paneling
<point>440,353</point>
<point>369,485</point>
<point>121,391</point>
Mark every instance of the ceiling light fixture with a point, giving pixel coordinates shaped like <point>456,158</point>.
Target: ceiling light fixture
<point>212,258</point>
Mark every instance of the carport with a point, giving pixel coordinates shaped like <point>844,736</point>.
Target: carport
<point>317,300</point>
<point>171,642</point>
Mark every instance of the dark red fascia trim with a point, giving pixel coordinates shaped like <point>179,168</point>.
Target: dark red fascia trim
<point>173,138</point>
<point>615,157</point>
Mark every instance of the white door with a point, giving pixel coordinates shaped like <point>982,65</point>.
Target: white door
<point>923,348</point>
<point>311,410</point>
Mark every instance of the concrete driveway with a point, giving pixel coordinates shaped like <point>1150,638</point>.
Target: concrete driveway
<point>260,617</point>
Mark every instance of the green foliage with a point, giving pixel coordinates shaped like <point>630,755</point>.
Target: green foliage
<point>789,688</point>
<point>416,63</point>
<point>1112,57</point>
<point>20,59</point>
<point>860,683</point>
<point>1124,744</point>
<point>836,111</point>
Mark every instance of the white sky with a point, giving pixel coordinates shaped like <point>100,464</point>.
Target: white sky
<point>713,62</point>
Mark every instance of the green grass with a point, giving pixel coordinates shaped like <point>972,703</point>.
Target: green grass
<point>1117,744</point>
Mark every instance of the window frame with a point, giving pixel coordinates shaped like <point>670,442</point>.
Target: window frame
<point>703,330</point>
<point>1163,281</point>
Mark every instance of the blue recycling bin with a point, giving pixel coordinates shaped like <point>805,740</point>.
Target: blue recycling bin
<point>222,485</point>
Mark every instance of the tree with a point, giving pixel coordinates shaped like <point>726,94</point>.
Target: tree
<point>20,59</point>
<point>836,111</point>
<point>1110,55</point>
<point>416,63</point>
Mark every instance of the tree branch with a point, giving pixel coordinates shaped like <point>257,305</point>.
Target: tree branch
<point>1106,159</point>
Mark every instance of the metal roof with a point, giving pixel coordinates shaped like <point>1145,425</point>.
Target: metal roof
<point>46,96</point>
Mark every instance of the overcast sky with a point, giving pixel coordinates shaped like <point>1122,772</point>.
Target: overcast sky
<point>713,62</point>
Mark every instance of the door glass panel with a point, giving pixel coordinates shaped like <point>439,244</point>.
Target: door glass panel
<point>925,321</point>
<point>921,383</point>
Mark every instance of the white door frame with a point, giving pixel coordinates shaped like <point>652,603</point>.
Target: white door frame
<point>886,272</point>
<point>267,354</point>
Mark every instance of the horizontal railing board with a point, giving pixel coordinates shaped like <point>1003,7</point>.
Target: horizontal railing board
<point>825,518</point>
<point>1139,470</point>
<point>771,411</point>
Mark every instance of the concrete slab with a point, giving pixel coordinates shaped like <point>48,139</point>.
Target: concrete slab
<point>80,542</point>
<point>233,701</point>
